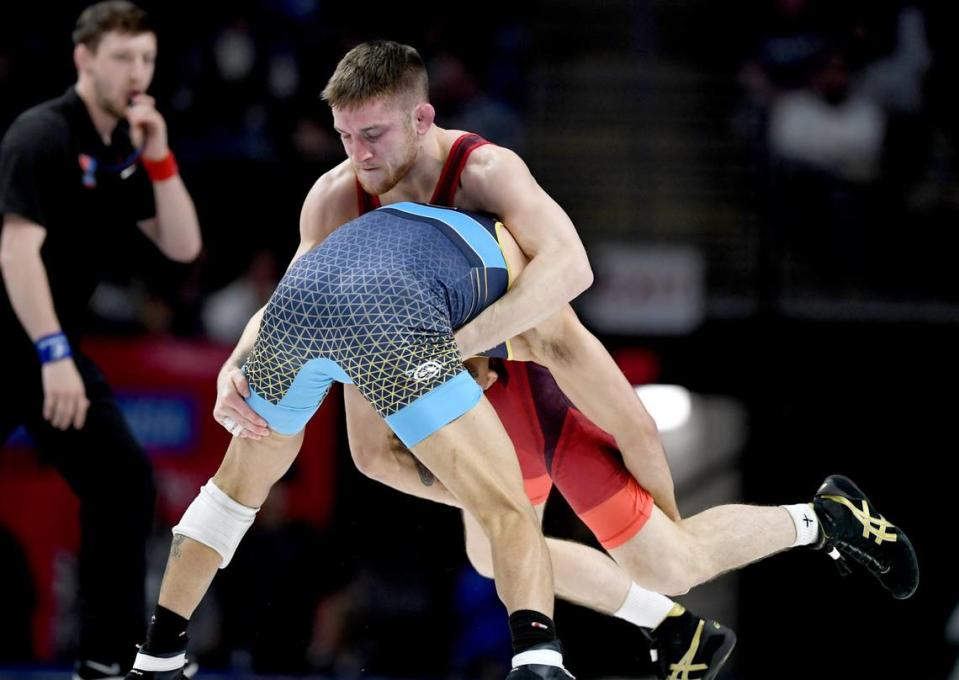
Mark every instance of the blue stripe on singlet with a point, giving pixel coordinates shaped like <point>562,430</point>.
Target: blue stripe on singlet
<point>481,246</point>
<point>417,421</point>
<point>309,388</point>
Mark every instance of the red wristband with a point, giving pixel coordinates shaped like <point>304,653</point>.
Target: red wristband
<point>165,168</point>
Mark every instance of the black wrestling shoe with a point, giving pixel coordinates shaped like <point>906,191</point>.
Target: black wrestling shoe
<point>535,671</point>
<point>686,647</point>
<point>189,669</point>
<point>135,674</point>
<point>851,528</point>
<point>95,670</point>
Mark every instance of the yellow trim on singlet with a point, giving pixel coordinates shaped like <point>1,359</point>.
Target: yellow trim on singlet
<point>499,226</point>
<point>509,277</point>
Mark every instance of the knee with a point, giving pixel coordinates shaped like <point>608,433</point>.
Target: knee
<point>671,577</point>
<point>370,460</point>
<point>509,519</point>
<point>216,519</point>
<point>249,491</point>
<point>251,467</point>
<point>669,566</point>
<point>509,532</point>
<point>685,567</point>
<point>676,588</point>
<point>379,461</point>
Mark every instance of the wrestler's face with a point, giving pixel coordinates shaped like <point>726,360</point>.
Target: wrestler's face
<point>381,139</point>
<point>120,67</point>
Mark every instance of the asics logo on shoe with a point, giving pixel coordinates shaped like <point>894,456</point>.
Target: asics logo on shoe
<point>682,669</point>
<point>878,527</point>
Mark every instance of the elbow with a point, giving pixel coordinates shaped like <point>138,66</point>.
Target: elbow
<point>646,433</point>
<point>186,253</point>
<point>580,276</point>
<point>650,431</point>
<point>374,462</point>
<point>587,275</point>
<point>193,253</point>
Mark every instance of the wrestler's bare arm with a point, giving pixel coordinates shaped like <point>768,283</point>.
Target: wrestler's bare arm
<point>496,180</point>
<point>589,376</point>
<point>330,203</point>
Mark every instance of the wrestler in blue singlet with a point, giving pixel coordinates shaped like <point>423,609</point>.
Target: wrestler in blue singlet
<point>375,305</point>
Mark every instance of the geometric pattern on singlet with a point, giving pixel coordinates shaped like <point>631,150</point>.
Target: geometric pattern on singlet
<point>380,298</point>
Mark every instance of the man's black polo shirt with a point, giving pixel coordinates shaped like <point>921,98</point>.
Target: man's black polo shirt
<point>56,171</point>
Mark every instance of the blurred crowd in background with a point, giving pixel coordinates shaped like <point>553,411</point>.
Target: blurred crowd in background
<point>239,86</point>
<point>843,126</point>
<point>807,151</point>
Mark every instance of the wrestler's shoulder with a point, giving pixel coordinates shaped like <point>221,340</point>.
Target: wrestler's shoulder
<point>331,201</point>
<point>490,164</point>
<point>336,184</point>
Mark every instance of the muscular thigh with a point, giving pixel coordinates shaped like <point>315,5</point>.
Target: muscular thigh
<point>656,553</point>
<point>474,458</point>
<point>531,430</point>
<point>558,444</point>
<point>252,466</point>
<point>589,472</point>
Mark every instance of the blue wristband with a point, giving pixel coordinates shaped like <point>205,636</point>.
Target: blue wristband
<point>53,347</point>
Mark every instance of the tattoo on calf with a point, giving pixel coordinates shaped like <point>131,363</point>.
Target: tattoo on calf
<point>425,475</point>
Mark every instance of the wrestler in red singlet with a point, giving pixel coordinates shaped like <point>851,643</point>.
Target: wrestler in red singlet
<point>555,443</point>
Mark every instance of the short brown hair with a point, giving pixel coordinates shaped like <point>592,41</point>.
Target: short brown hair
<point>380,68</point>
<point>111,15</point>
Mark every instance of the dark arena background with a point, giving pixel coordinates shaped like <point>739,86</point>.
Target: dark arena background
<point>769,195</point>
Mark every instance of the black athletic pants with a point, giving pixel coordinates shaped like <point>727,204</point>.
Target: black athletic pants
<point>110,473</point>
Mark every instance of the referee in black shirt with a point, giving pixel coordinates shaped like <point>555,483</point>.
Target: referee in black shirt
<point>78,174</point>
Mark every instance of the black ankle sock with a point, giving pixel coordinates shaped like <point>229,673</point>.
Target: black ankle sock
<point>166,634</point>
<point>529,628</point>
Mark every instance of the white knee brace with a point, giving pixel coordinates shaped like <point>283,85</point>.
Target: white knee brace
<point>216,520</point>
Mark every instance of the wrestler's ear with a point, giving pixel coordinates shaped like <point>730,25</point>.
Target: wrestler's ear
<point>423,116</point>
<point>82,56</point>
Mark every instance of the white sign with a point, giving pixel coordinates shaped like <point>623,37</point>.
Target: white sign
<point>658,289</point>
